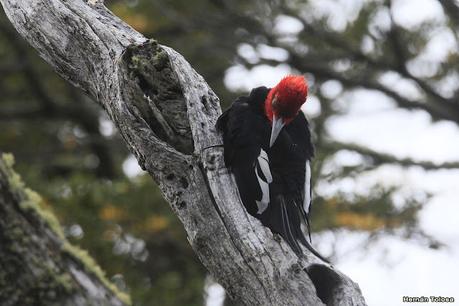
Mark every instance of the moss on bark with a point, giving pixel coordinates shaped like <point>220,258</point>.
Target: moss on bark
<point>38,266</point>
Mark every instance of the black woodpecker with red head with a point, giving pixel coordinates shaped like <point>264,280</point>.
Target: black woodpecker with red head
<point>267,146</point>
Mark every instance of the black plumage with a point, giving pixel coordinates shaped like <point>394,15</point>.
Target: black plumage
<point>246,136</point>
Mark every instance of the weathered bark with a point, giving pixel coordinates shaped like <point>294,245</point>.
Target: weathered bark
<point>166,113</point>
<point>38,266</point>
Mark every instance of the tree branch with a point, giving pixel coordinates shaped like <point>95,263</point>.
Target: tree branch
<point>436,110</point>
<point>451,9</point>
<point>166,113</point>
<point>435,104</point>
<point>382,158</point>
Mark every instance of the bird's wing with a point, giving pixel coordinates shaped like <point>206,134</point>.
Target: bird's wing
<point>307,148</point>
<point>307,195</point>
<point>245,132</point>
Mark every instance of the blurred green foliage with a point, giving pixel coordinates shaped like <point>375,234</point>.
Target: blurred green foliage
<point>69,152</point>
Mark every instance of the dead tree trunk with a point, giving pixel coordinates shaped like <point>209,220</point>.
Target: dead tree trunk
<point>166,114</point>
<point>38,266</point>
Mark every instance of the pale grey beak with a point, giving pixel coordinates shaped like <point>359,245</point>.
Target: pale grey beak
<point>278,124</point>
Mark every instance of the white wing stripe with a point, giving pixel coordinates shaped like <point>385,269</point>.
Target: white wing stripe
<point>263,162</point>
<point>307,187</point>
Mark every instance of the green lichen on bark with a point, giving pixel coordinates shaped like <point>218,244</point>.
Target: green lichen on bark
<point>29,199</point>
<point>34,252</point>
<point>92,267</point>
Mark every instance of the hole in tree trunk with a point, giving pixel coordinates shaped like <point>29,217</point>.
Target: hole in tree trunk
<point>325,280</point>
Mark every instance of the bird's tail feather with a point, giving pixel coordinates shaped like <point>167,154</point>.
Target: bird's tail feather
<point>284,218</point>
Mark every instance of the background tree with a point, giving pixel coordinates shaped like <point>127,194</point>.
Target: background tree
<point>76,156</point>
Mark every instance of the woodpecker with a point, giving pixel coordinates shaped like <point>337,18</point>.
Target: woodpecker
<point>267,146</point>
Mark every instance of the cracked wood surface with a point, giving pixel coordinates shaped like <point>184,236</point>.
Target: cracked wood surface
<point>166,113</point>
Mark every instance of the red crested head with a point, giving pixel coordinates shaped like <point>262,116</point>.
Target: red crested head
<point>285,99</point>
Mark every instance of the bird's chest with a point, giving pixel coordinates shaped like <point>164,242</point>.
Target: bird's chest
<point>287,161</point>
<point>286,152</point>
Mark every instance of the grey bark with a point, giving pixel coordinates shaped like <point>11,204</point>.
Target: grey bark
<point>166,113</point>
<point>38,266</point>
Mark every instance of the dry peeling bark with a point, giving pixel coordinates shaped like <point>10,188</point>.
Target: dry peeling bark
<point>38,266</point>
<point>166,113</point>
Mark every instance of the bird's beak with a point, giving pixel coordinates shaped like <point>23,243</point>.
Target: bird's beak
<point>278,124</point>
